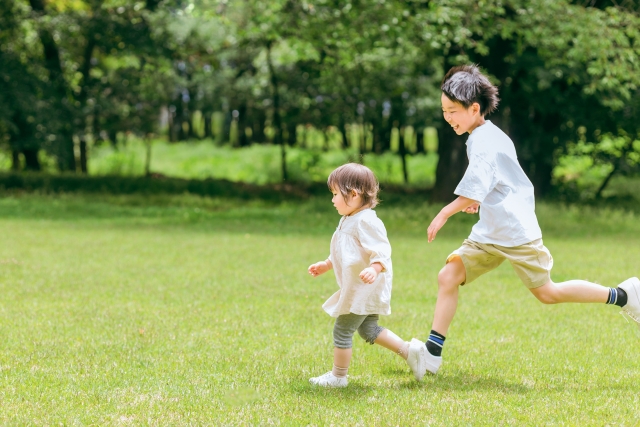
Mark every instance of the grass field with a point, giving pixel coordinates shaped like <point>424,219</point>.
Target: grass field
<point>194,311</point>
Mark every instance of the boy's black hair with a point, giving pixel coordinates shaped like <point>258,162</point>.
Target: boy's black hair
<point>465,84</point>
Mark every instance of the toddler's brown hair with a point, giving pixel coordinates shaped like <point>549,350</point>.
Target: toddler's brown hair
<point>355,177</point>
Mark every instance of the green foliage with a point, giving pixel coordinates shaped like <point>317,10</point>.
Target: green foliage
<point>588,166</point>
<point>254,71</point>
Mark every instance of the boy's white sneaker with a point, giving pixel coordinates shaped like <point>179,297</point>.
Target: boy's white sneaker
<point>433,362</point>
<point>329,380</point>
<point>417,358</point>
<point>632,308</point>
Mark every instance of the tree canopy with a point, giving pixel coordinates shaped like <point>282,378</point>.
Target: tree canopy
<point>73,71</point>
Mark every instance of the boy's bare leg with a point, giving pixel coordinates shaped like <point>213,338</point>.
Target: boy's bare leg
<point>571,291</point>
<point>389,340</point>
<point>450,278</point>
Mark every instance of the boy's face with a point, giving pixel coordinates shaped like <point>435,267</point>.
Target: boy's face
<point>461,119</point>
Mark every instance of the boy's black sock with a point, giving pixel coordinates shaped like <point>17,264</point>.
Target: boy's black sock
<point>617,297</point>
<point>435,343</point>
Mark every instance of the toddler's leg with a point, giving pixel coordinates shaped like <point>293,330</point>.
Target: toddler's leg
<point>388,339</point>
<point>413,353</point>
<point>341,361</point>
<point>343,331</point>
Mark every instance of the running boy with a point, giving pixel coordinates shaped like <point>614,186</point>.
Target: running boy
<point>361,259</point>
<point>495,184</point>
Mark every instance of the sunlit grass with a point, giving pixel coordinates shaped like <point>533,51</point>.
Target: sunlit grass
<point>194,311</point>
<point>258,164</point>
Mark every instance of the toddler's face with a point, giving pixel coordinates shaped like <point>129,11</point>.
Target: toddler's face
<point>461,119</point>
<point>341,204</point>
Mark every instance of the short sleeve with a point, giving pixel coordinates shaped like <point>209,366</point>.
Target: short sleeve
<point>478,180</point>
<point>373,238</point>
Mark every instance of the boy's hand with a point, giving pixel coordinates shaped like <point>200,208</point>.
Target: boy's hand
<point>368,275</point>
<point>319,268</point>
<point>472,209</point>
<point>435,226</point>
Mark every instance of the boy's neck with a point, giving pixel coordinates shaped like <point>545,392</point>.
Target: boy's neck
<point>477,124</point>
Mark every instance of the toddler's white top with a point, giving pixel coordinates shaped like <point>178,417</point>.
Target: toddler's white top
<point>359,241</point>
<point>496,180</point>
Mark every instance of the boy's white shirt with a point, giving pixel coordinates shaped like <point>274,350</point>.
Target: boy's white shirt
<point>496,180</point>
<point>359,241</point>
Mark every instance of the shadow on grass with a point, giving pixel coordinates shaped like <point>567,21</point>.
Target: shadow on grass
<point>442,383</point>
<point>354,390</point>
<point>464,382</point>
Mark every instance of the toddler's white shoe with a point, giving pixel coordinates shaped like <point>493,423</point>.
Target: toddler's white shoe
<point>632,308</point>
<point>329,380</point>
<point>417,358</point>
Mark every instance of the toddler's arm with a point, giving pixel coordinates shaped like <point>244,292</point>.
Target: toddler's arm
<point>320,267</point>
<point>369,274</point>
<point>458,205</point>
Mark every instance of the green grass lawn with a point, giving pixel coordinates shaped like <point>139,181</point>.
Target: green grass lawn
<point>257,164</point>
<point>194,311</point>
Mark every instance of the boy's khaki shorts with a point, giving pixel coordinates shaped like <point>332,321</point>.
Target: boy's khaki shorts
<point>531,261</point>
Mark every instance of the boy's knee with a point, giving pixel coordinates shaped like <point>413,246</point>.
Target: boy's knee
<point>547,299</point>
<point>447,279</point>
<point>546,294</point>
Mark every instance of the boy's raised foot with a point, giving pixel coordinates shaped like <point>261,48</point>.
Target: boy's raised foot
<point>329,380</point>
<point>632,288</point>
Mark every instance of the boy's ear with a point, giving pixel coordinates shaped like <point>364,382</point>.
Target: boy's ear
<point>475,108</point>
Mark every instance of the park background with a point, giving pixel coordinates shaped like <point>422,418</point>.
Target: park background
<point>163,174</point>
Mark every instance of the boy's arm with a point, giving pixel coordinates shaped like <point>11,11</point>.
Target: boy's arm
<point>458,205</point>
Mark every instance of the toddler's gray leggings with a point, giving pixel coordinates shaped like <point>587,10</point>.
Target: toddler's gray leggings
<point>347,324</point>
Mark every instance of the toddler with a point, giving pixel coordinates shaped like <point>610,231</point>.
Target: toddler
<point>361,259</point>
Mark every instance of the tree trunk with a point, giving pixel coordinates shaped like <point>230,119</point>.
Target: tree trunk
<point>292,134</point>
<point>147,160</point>
<point>277,120</point>
<point>65,154</point>
<point>258,119</point>
<point>343,132</point>
<point>420,140</point>
<point>31,161</point>
<point>452,163</point>
<point>15,160</point>
<point>402,151</point>
<point>83,154</point>
<point>208,131</point>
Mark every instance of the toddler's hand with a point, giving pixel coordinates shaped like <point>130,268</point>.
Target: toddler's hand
<point>368,275</point>
<point>318,268</point>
